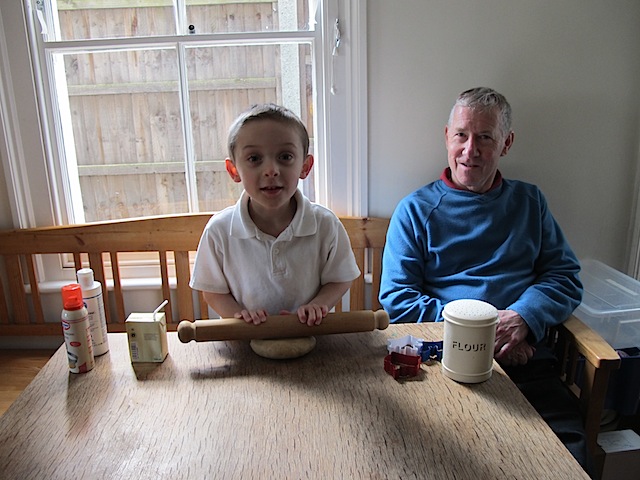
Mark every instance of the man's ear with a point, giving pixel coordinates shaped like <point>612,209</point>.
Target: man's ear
<point>507,144</point>
<point>306,167</point>
<point>232,170</point>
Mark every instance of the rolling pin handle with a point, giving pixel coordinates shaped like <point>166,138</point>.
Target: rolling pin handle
<point>381,318</point>
<point>186,331</point>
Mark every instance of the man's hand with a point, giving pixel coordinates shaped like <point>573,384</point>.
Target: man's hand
<point>511,346</point>
<point>520,355</point>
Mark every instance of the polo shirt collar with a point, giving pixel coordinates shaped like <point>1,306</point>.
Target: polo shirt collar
<point>304,221</point>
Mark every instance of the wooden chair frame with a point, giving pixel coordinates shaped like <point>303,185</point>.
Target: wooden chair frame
<point>586,363</point>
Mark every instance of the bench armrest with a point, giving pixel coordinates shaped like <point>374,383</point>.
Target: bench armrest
<point>576,344</point>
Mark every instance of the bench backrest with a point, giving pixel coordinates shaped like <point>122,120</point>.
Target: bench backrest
<point>171,239</point>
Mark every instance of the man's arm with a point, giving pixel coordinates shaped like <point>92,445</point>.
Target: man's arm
<point>403,272</point>
<point>557,289</point>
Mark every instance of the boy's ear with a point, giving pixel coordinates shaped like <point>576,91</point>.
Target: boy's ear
<point>232,170</point>
<point>306,167</point>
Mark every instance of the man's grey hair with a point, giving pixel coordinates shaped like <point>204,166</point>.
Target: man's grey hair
<point>483,98</point>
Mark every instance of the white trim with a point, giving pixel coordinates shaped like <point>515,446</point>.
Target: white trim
<point>211,39</point>
<point>357,110</point>
<point>66,146</point>
<point>187,131</point>
<point>321,112</point>
<point>345,108</point>
<point>13,157</point>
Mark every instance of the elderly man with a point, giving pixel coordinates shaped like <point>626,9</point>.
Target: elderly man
<point>474,234</point>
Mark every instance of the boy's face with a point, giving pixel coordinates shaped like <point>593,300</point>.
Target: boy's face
<point>269,161</point>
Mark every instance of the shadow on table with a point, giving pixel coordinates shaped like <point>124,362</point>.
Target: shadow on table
<point>356,402</point>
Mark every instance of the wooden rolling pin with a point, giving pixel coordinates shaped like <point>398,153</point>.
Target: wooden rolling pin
<point>281,326</point>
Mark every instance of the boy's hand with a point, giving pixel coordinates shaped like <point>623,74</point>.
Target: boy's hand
<point>252,316</point>
<point>312,314</point>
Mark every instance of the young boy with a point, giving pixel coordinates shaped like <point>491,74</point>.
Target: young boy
<point>274,252</point>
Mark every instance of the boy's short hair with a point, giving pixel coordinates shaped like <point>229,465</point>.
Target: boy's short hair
<point>267,111</point>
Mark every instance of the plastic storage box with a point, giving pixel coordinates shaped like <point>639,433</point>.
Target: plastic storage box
<point>610,304</point>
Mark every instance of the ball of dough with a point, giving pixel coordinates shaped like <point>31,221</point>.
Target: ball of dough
<point>283,348</point>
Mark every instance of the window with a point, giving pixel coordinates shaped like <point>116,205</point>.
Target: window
<point>142,96</point>
<point>149,138</point>
<point>136,100</point>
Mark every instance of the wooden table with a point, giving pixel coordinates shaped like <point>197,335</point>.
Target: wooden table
<point>217,410</point>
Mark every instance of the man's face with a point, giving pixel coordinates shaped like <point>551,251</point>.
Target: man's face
<point>475,143</point>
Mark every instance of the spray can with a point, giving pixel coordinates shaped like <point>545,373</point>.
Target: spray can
<point>94,301</point>
<point>76,331</point>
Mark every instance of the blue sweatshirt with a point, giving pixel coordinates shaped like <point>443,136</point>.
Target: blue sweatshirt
<point>503,247</point>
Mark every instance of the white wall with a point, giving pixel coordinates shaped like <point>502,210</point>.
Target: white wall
<point>571,71</point>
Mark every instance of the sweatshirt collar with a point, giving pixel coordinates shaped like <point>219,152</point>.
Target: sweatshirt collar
<point>446,178</point>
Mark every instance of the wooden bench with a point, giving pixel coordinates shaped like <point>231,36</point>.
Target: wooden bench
<point>171,240</point>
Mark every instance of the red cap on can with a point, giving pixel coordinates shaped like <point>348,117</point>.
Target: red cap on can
<point>72,297</point>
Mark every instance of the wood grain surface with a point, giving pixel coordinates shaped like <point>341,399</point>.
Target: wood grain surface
<point>217,410</point>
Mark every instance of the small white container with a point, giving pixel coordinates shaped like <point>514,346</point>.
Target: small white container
<point>469,338</point>
<point>147,335</point>
<point>92,296</point>
<point>610,304</point>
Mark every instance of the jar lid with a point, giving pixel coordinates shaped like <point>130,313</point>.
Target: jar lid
<point>470,311</point>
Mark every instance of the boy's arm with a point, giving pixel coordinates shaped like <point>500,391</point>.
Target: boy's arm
<point>326,298</point>
<point>226,306</point>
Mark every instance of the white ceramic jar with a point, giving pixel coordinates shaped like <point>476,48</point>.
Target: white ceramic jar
<point>469,338</point>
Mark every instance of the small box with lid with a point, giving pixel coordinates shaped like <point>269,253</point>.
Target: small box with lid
<point>610,304</point>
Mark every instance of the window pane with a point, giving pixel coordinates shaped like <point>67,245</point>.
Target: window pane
<point>226,80</point>
<point>94,19</point>
<point>207,16</point>
<point>91,19</point>
<point>122,126</point>
<point>124,109</point>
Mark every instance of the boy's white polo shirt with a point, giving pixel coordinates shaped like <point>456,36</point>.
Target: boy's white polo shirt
<point>275,274</point>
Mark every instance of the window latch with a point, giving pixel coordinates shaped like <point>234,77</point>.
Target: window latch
<point>336,37</point>
<point>44,31</point>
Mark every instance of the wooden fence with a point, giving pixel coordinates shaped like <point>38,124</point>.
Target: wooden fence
<point>125,104</point>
